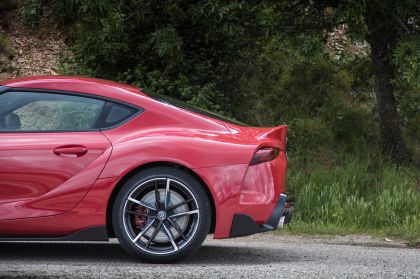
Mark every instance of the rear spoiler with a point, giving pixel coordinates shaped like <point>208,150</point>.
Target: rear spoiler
<point>278,134</point>
<point>275,136</point>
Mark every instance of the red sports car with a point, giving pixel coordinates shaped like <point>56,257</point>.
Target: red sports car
<point>87,160</point>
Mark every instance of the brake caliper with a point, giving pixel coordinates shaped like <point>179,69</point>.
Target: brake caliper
<point>140,221</point>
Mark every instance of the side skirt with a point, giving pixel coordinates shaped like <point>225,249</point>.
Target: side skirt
<point>97,233</point>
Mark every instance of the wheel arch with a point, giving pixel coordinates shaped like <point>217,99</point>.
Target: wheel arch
<point>152,165</point>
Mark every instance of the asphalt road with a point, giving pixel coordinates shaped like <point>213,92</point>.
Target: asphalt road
<point>260,256</point>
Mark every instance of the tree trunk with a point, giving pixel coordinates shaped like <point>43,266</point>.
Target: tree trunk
<point>390,132</point>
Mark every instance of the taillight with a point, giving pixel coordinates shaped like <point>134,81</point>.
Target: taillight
<point>264,155</point>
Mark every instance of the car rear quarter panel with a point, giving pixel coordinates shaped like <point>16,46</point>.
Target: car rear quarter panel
<point>168,134</point>
<point>216,154</point>
<point>165,133</point>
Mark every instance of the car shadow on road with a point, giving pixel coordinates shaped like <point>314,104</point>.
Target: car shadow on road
<point>112,252</point>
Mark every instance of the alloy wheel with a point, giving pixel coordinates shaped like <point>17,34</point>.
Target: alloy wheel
<point>161,216</point>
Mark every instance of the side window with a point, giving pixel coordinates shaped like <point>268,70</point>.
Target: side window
<point>115,114</point>
<point>31,111</point>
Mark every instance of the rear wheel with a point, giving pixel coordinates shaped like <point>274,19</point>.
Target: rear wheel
<point>161,215</point>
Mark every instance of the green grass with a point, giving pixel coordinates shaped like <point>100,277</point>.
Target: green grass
<point>354,192</point>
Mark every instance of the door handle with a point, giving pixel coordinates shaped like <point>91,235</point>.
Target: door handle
<point>71,151</point>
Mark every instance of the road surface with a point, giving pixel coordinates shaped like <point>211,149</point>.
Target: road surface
<point>259,256</point>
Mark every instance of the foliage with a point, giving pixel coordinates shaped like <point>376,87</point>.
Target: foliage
<point>241,58</point>
<point>31,12</point>
<point>186,50</point>
<point>407,61</point>
<point>383,25</point>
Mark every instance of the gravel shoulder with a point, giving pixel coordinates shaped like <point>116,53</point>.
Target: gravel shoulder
<point>260,256</point>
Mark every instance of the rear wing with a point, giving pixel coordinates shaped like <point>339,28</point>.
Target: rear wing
<point>277,134</point>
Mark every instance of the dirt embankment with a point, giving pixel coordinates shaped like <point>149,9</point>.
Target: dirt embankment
<point>25,51</point>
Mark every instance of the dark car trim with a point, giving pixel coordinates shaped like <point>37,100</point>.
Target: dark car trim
<point>243,225</point>
<point>97,233</point>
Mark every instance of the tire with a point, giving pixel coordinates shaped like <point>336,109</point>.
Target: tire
<point>158,223</point>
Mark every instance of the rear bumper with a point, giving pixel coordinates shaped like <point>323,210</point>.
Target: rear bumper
<point>244,225</point>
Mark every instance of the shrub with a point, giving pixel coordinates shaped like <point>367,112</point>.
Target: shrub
<point>31,11</point>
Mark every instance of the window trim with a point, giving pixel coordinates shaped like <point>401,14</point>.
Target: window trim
<point>139,110</point>
<point>106,111</point>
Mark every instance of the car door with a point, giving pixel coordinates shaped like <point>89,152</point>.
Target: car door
<point>50,152</point>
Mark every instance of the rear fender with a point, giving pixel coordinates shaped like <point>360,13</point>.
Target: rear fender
<point>191,152</point>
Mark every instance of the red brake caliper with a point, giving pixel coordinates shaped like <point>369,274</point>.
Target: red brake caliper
<point>139,221</point>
